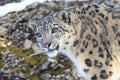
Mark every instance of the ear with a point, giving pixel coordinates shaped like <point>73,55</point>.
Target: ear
<point>32,25</point>
<point>64,16</point>
<point>67,17</point>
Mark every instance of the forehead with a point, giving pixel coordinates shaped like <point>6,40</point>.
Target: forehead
<point>47,23</point>
<point>46,20</point>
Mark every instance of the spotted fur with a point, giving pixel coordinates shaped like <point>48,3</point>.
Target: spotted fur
<point>89,36</point>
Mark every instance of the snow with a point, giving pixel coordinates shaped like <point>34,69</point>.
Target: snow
<point>21,5</point>
<point>16,6</point>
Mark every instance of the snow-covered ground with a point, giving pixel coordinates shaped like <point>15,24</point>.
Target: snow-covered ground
<point>16,6</point>
<point>21,5</point>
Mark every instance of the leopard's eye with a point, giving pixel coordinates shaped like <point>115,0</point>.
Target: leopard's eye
<point>54,30</point>
<point>38,35</point>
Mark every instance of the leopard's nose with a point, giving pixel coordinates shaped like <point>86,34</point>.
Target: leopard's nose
<point>47,45</point>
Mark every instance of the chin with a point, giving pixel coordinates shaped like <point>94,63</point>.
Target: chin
<point>52,53</point>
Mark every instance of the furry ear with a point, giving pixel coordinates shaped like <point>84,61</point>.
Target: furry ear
<point>64,16</point>
<point>68,17</point>
<point>32,25</point>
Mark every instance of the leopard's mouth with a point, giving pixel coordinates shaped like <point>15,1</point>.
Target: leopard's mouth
<point>53,52</point>
<point>50,50</point>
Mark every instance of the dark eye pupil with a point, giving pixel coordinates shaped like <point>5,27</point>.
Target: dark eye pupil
<point>38,35</point>
<point>54,30</point>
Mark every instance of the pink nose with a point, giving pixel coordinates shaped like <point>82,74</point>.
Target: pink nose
<point>47,45</point>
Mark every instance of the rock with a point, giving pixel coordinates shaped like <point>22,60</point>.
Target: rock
<point>2,44</point>
<point>9,43</point>
<point>45,77</point>
<point>4,29</point>
<point>28,15</point>
<point>32,6</point>
<point>36,49</point>
<point>28,44</point>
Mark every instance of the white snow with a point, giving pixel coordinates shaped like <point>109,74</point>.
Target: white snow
<point>21,5</point>
<point>16,6</point>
